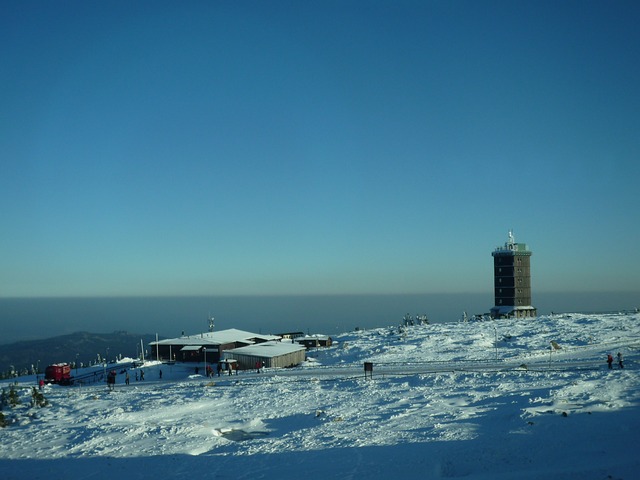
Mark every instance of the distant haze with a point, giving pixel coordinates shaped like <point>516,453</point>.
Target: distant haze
<point>32,318</point>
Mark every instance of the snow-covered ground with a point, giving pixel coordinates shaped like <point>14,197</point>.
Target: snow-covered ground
<point>445,401</point>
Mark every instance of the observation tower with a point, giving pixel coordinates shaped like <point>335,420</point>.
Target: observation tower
<point>512,280</point>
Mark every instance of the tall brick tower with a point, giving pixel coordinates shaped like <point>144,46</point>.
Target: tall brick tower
<point>512,280</point>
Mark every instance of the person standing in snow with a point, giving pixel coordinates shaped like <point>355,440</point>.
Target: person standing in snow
<point>620,364</point>
<point>141,375</point>
<point>126,377</point>
<point>610,361</point>
<point>160,374</point>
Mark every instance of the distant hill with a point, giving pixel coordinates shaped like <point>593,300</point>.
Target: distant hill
<point>84,346</point>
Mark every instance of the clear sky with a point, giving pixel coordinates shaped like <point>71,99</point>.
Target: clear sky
<point>302,147</point>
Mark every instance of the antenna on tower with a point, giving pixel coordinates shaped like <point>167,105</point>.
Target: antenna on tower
<point>511,243</point>
<point>211,322</point>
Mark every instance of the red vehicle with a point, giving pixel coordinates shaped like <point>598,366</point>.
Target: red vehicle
<point>58,373</point>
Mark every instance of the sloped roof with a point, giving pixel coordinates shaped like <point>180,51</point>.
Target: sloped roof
<point>268,349</point>
<point>217,338</point>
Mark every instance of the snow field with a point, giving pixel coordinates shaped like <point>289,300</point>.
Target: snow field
<point>508,422</point>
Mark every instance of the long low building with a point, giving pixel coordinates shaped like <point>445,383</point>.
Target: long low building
<point>268,354</point>
<point>313,341</point>
<point>205,347</point>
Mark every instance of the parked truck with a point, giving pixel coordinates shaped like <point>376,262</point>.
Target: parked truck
<point>59,373</point>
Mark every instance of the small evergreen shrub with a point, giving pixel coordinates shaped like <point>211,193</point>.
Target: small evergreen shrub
<point>14,398</point>
<point>37,399</point>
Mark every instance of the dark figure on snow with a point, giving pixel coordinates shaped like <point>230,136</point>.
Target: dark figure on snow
<point>610,361</point>
<point>160,374</point>
<point>126,378</point>
<point>111,380</point>
<point>141,375</point>
<point>620,364</point>
<point>219,368</point>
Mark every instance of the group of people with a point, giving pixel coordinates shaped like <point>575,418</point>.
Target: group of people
<point>222,365</point>
<point>610,361</point>
<point>225,366</point>
<point>111,377</point>
<point>229,367</point>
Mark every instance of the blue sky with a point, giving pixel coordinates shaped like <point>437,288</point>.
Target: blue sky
<point>216,148</point>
